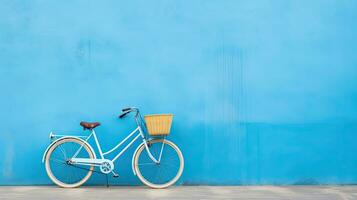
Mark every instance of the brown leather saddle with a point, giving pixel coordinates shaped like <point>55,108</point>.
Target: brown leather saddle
<point>89,125</point>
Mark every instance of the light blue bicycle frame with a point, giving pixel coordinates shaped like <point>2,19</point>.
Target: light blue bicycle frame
<point>140,133</point>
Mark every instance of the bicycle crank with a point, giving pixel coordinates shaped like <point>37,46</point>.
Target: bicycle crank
<point>106,167</point>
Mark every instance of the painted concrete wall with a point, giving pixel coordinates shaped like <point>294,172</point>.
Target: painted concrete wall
<point>263,92</point>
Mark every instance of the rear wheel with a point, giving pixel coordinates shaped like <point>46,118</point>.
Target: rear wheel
<point>59,168</point>
<point>163,174</point>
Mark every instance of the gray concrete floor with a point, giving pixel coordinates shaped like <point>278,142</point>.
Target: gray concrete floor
<point>181,192</point>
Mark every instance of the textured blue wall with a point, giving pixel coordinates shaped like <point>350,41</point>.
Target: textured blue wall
<point>263,92</point>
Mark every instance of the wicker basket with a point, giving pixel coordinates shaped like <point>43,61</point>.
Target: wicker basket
<point>159,124</point>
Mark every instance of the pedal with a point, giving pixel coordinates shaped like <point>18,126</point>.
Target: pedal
<point>115,175</point>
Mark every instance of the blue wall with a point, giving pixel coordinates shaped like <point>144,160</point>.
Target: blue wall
<point>263,92</point>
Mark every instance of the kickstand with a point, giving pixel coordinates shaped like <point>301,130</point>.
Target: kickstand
<point>106,176</point>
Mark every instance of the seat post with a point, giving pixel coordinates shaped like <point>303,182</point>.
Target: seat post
<point>97,142</point>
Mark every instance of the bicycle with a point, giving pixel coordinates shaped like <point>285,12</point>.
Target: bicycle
<point>157,162</point>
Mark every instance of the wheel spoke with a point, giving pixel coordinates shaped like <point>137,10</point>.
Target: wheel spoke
<point>58,160</point>
<point>63,152</point>
<point>169,164</point>
<point>147,163</point>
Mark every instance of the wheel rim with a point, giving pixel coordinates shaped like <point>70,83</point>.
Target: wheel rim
<point>59,168</point>
<point>161,175</point>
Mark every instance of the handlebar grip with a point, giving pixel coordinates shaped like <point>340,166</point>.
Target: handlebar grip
<point>124,113</point>
<point>125,109</point>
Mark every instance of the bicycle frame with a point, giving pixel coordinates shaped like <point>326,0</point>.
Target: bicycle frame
<point>139,132</point>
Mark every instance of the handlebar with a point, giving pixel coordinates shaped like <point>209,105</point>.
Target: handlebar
<point>128,110</point>
<point>124,113</point>
<point>138,118</point>
<point>125,109</point>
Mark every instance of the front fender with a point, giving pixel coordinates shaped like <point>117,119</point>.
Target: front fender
<point>49,146</point>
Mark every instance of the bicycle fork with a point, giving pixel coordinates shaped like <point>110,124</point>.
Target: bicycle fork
<point>157,161</point>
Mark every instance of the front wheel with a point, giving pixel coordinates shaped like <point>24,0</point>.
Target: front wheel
<point>162,174</point>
